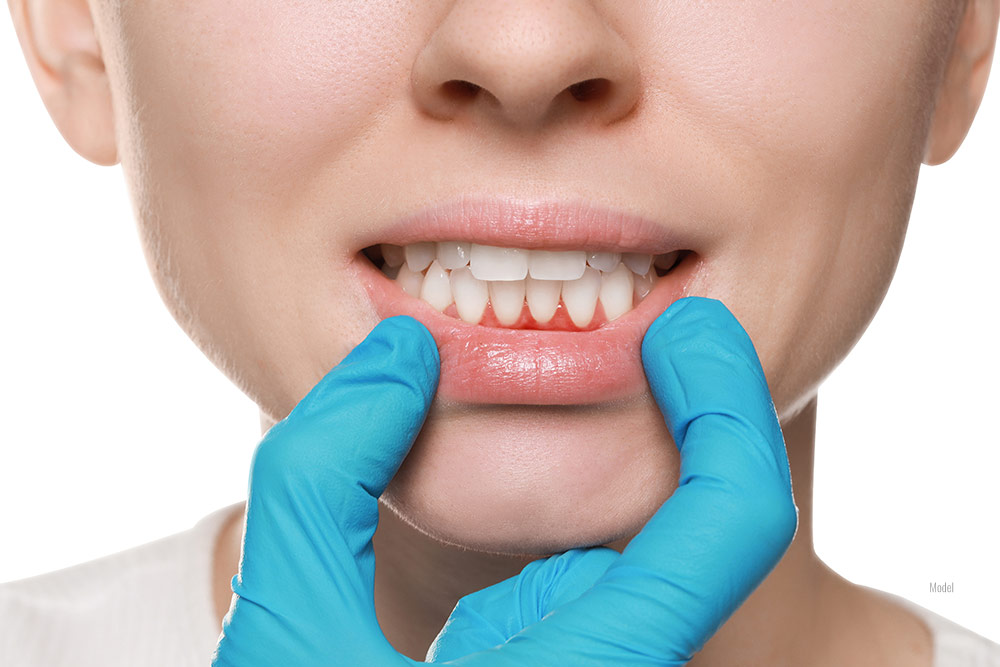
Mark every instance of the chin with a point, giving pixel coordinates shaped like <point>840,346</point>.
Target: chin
<point>538,480</point>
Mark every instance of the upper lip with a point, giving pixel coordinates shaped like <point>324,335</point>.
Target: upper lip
<point>550,224</point>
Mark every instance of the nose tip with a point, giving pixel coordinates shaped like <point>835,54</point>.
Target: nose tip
<point>525,63</point>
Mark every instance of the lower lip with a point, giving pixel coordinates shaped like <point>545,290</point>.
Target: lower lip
<point>529,366</point>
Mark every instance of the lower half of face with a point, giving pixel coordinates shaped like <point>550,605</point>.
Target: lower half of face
<point>263,185</point>
<point>522,478</point>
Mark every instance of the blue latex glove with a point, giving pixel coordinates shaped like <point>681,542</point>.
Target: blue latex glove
<point>305,588</point>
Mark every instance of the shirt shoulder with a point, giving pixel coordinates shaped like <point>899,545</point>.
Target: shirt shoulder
<point>148,605</point>
<point>954,645</point>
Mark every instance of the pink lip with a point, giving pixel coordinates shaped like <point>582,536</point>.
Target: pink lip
<point>520,366</point>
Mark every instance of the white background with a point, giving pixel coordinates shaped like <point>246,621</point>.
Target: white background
<point>117,431</point>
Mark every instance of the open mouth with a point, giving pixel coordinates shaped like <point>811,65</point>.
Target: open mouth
<point>520,288</point>
<point>531,303</point>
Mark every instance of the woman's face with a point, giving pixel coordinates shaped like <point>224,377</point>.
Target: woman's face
<point>266,144</point>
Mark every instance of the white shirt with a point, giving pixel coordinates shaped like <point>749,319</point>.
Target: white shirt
<point>152,605</point>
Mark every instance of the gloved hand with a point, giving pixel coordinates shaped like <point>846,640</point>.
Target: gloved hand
<point>304,594</point>
<point>696,560</point>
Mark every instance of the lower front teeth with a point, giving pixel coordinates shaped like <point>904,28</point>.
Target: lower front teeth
<point>543,298</point>
<point>410,281</point>
<point>580,296</point>
<point>436,289</point>
<point>440,274</point>
<point>616,292</point>
<point>471,295</point>
<point>507,297</point>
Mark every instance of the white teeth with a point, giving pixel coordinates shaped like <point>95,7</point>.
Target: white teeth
<point>471,276</point>
<point>666,261</point>
<point>644,284</point>
<point>542,297</point>
<point>507,297</point>
<point>436,289</point>
<point>580,296</point>
<point>410,281</point>
<point>453,255</point>
<point>637,262</point>
<point>604,261</point>
<point>493,263</point>
<point>557,265</point>
<point>394,255</point>
<point>616,292</point>
<point>470,295</point>
<point>420,255</point>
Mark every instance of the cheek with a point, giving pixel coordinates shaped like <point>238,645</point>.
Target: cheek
<point>789,86</point>
<point>813,109</point>
<point>242,93</point>
<point>240,119</point>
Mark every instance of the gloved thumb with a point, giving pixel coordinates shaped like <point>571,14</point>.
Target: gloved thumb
<point>316,476</point>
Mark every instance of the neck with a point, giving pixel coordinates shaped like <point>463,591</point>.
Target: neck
<point>418,580</point>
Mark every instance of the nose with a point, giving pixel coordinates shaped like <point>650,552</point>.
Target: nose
<point>526,63</point>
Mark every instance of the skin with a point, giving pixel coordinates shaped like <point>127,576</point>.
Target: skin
<point>260,139</point>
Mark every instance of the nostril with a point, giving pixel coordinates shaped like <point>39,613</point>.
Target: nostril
<point>589,89</point>
<point>459,89</point>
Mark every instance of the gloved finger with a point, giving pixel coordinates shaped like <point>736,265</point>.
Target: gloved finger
<point>716,538</point>
<point>316,477</point>
<point>491,616</point>
<point>733,515</point>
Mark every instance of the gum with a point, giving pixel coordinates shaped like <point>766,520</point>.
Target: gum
<point>560,321</point>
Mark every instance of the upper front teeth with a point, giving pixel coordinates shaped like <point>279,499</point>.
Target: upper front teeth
<point>419,255</point>
<point>492,263</point>
<point>557,265</point>
<point>637,262</point>
<point>604,261</point>
<point>470,275</point>
<point>453,255</point>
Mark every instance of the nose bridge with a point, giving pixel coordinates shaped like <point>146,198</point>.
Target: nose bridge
<point>524,61</point>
